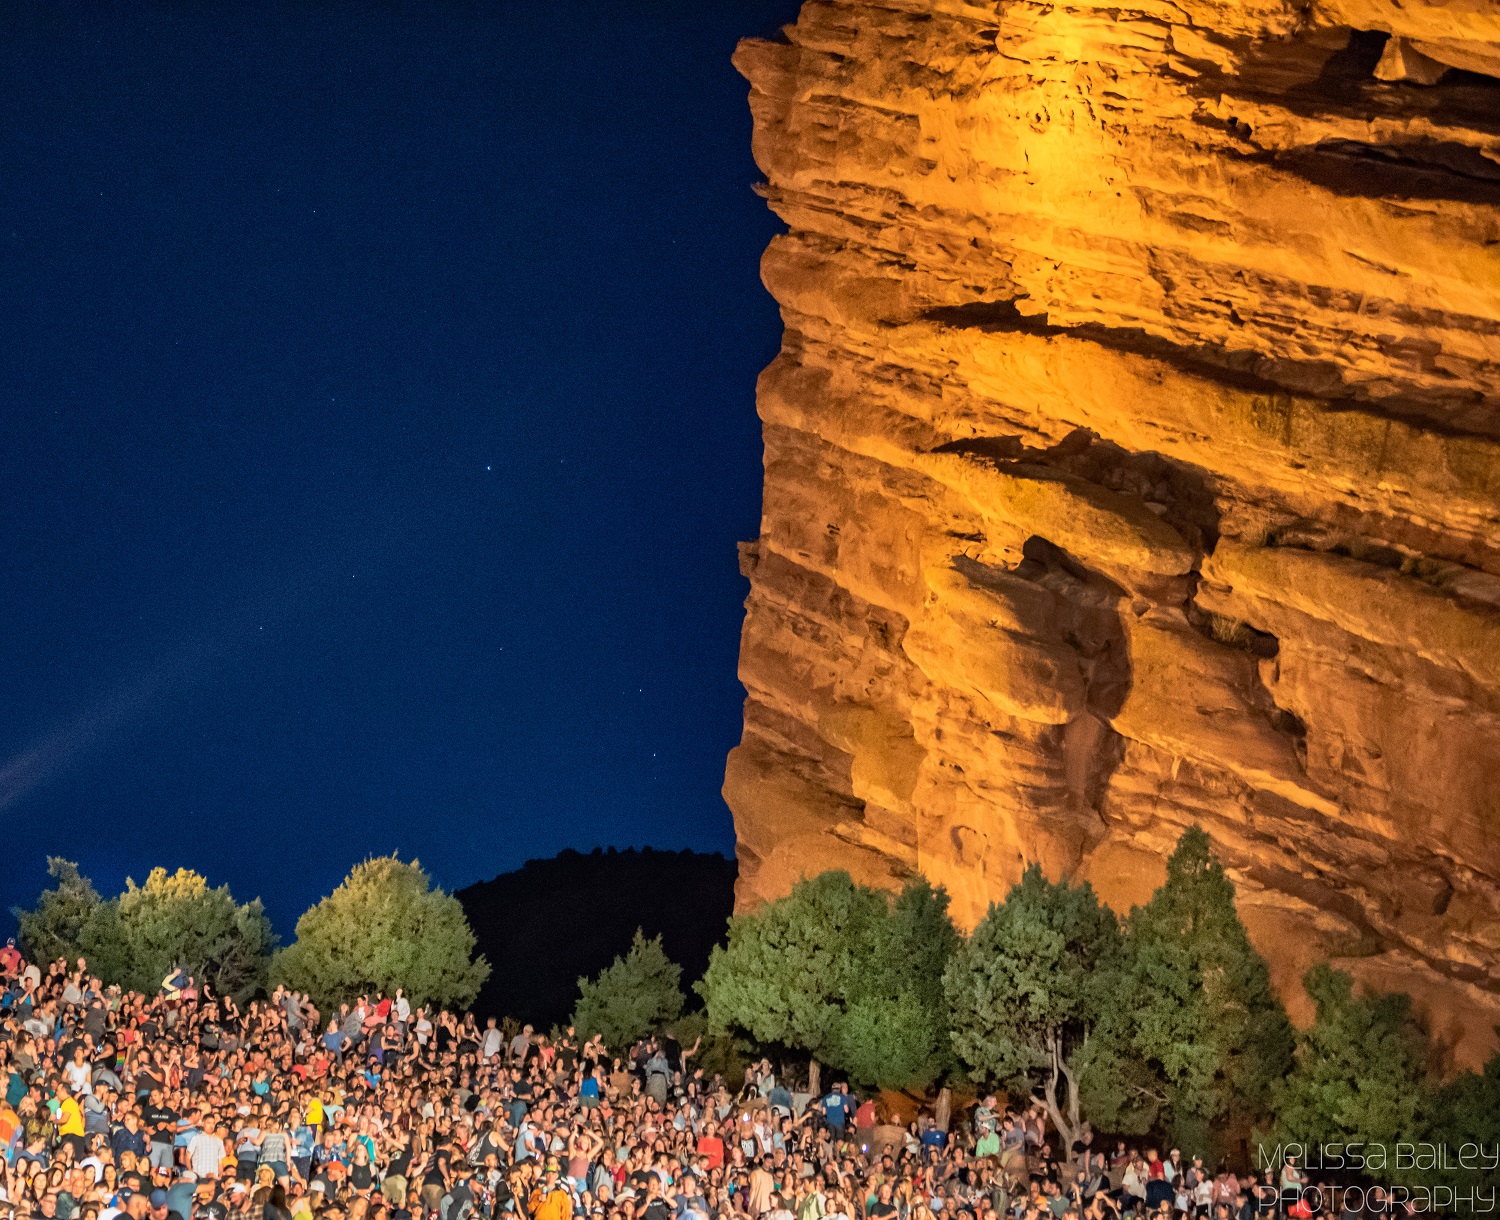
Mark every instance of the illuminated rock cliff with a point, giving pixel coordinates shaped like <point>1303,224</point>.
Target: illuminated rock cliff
<point>1133,460</point>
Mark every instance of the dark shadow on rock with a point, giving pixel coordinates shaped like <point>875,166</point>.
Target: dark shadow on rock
<point>1087,618</point>
<point>1460,411</point>
<point>1177,492</point>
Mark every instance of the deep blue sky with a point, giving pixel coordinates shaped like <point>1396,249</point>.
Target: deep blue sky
<point>376,427</point>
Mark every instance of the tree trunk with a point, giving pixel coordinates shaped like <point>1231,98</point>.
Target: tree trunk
<point>1073,1103</point>
<point>1067,1125</point>
<point>814,1078</point>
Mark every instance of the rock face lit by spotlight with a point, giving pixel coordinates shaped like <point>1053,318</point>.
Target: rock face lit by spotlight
<point>1133,461</point>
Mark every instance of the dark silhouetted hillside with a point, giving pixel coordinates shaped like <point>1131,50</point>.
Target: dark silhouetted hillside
<point>552,920</point>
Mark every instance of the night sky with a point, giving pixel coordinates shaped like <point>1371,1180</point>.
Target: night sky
<point>378,425</point>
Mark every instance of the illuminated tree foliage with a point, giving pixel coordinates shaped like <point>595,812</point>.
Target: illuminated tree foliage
<point>1027,989</point>
<point>839,970</point>
<point>1196,1036</point>
<point>1358,1076</point>
<point>62,917</point>
<point>173,921</point>
<point>384,927</point>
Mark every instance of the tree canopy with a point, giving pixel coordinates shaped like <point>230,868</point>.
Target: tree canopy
<point>1465,1111</point>
<point>896,1027</point>
<point>637,994</point>
<point>173,920</point>
<point>1197,1034</point>
<point>1028,987</point>
<point>840,971</point>
<point>177,919</point>
<point>1358,1076</point>
<point>384,927</point>
<point>62,917</point>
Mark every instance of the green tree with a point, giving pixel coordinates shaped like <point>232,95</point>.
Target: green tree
<point>1359,1075</point>
<point>102,943</point>
<point>178,920</point>
<point>1117,1088</point>
<point>835,969</point>
<point>135,940</point>
<point>56,926</point>
<point>1030,985</point>
<point>787,968</point>
<point>636,995</point>
<point>384,927</point>
<point>894,1031</point>
<point>1198,1036</point>
<point>1463,1116</point>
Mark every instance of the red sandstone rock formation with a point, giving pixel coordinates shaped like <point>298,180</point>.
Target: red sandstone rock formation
<point>1133,460</point>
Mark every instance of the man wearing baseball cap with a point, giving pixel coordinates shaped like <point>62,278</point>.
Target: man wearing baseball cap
<point>550,1201</point>
<point>159,1208</point>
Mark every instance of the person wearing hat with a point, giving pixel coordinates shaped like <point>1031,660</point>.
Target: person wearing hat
<point>180,1194</point>
<point>159,1208</point>
<point>550,1201</point>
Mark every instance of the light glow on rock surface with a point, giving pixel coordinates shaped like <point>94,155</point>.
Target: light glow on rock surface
<point>1133,461</point>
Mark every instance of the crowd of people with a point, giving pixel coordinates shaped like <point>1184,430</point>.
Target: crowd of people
<point>186,1106</point>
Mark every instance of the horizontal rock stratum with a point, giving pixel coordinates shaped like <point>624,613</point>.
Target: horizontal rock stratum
<point>1132,460</point>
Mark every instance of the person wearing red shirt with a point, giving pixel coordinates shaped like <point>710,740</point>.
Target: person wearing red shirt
<point>711,1146</point>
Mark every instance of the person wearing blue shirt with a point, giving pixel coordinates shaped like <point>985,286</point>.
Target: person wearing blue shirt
<point>304,1139</point>
<point>180,1194</point>
<point>836,1107</point>
<point>934,1140</point>
<point>15,1088</point>
<point>128,1137</point>
<point>588,1090</point>
<point>334,1039</point>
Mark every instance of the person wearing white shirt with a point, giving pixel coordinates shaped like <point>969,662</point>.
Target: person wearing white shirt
<point>205,1151</point>
<point>78,1073</point>
<point>493,1041</point>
